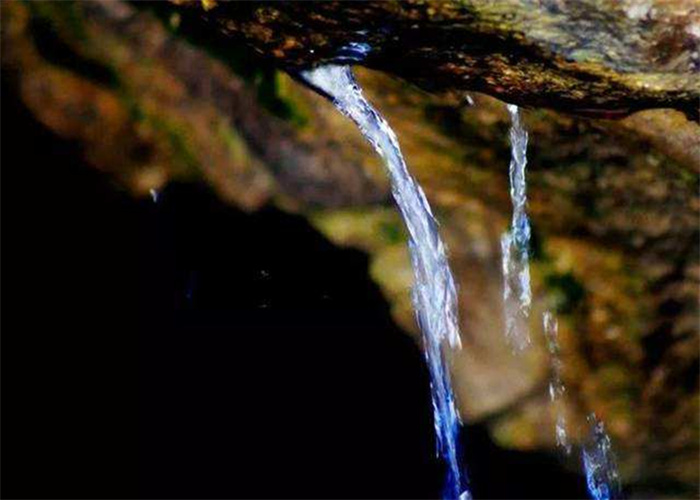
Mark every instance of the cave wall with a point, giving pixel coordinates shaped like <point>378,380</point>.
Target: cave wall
<point>614,207</point>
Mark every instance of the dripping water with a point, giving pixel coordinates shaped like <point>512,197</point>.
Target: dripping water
<point>515,242</point>
<point>557,390</point>
<point>434,291</point>
<point>599,463</point>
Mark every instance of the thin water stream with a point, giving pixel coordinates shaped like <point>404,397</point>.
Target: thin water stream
<point>557,389</point>
<point>434,291</point>
<point>599,463</point>
<point>515,243</point>
<point>598,459</point>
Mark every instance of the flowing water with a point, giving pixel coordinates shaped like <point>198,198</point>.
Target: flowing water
<point>599,463</point>
<point>434,291</point>
<point>515,242</point>
<point>557,390</point>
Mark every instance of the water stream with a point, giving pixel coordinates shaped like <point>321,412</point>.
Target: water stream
<point>557,389</point>
<point>434,291</point>
<point>599,463</point>
<point>515,242</point>
<point>598,459</point>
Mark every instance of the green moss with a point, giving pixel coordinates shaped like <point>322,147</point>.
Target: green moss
<point>66,16</point>
<point>271,94</point>
<point>262,75</point>
<point>172,132</point>
<point>176,136</point>
<point>369,229</point>
<point>537,252</point>
<point>235,144</point>
<point>188,27</point>
<point>685,174</point>
<point>58,32</point>
<point>53,49</point>
<point>392,232</point>
<point>567,291</point>
<point>615,378</point>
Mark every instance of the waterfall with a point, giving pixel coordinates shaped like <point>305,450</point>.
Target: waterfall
<point>434,291</point>
<point>515,242</point>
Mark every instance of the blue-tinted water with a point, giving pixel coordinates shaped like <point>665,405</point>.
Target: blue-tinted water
<point>434,291</point>
<point>599,463</point>
<point>515,242</point>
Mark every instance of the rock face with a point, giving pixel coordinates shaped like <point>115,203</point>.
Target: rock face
<point>614,204</point>
<point>588,57</point>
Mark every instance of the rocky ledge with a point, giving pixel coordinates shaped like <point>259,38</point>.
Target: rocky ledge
<point>156,91</point>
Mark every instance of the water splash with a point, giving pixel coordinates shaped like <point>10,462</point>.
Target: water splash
<point>599,463</point>
<point>515,242</point>
<point>557,389</point>
<point>353,52</point>
<point>434,291</point>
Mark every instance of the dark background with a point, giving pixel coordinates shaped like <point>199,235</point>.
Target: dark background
<point>186,349</point>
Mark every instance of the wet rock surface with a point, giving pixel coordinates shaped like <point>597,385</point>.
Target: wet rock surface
<point>614,204</point>
<point>587,57</point>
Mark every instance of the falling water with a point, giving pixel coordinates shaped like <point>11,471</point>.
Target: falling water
<point>515,243</point>
<point>434,292</point>
<point>557,390</point>
<point>599,463</point>
<point>598,458</point>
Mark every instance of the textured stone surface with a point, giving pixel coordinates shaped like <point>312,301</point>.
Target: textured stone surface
<point>614,206</point>
<point>591,57</point>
